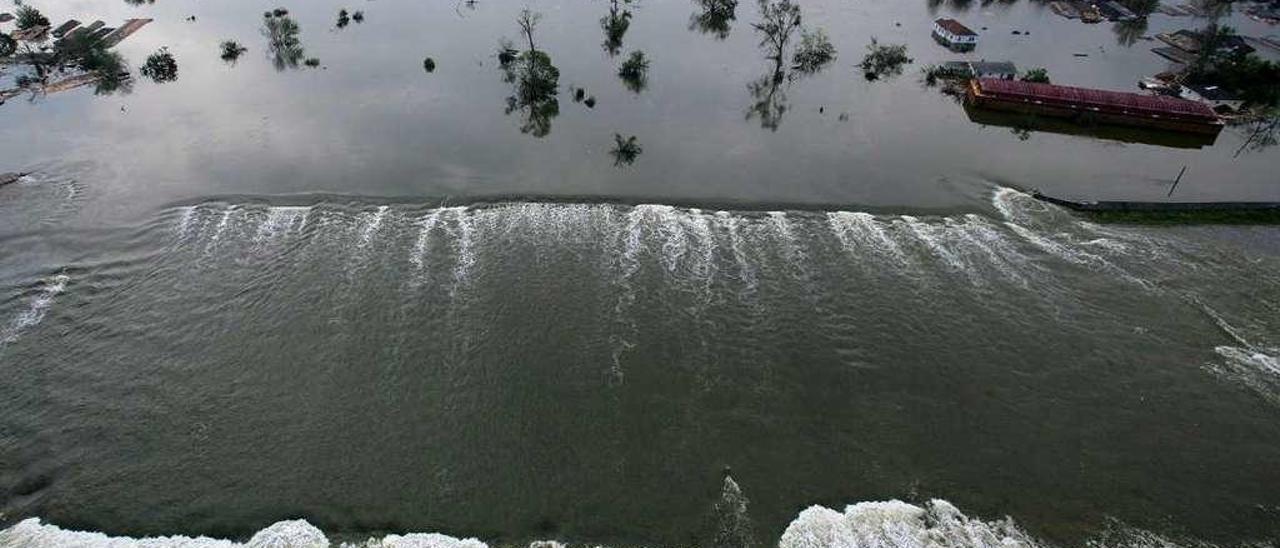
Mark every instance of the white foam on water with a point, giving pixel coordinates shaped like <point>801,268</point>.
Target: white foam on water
<point>896,524</point>
<point>278,222</point>
<point>666,221</point>
<point>1077,256</point>
<point>1254,365</point>
<point>463,238</point>
<point>746,272</point>
<point>184,221</point>
<point>928,235</point>
<point>222,226</point>
<point>371,222</point>
<point>698,225</point>
<point>36,309</point>
<point>628,266</point>
<point>973,232</point>
<point>30,533</point>
<point>856,229</point>
<point>1256,359</point>
<point>422,246</point>
<point>876,524</point>
<point>435,540</point>
<point>1004,199</point>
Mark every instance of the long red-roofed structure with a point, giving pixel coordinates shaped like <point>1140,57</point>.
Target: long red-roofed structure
<point>1098,105</point>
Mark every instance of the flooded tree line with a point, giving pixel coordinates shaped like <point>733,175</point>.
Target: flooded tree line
<point>792,50</point>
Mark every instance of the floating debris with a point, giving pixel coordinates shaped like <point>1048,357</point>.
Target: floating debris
<point>312,62</point>
<point>429,65</point>
<point>6,178</point>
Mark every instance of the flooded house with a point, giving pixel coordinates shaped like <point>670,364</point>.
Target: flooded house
<point>1219,99</point>
<point>954,35</point>
<point>1002,70</point>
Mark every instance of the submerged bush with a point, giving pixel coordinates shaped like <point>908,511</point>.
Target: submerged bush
<point>1038,75</point>
<point>160,67</point>
<point>884,60</point>
<point>634,72</point>
<point>232,50</point>
<point>815,51</point>
<point>625,151</point>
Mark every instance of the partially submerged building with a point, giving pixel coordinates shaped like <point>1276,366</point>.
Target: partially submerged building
<point>1094,106</point>
<point>1219,99</point>
<point>1003,70</point>
<point>1115,11</point>
<point>954,35</point>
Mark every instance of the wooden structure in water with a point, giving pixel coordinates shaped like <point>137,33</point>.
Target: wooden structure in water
<point>1094,106</point>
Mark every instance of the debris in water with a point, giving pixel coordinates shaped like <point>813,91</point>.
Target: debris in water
<point>312,62</point>
<point>590,102</point>
<point>358,16</point>
<point>7,178</point>
<point>429,65</point>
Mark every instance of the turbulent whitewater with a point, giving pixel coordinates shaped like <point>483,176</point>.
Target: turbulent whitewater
<point>580,371</point>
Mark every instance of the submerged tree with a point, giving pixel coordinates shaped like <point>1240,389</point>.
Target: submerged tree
<point>231,50</point>
<point>1128,32</point>
<point>780,20</point>
<point>625,151</point>
<point>8,46</point>
<point>884,60</point>
<point>615,25</point>
<point>634,72</point>
<point>160,67</point>
<point>814,53</point>
<point>27,17</point>
<point>1264,133</point>
<point>715,18</point>
<point>283,43</point>
<point>535,80</point>
<point>109,66</point>
<point>1037,75</point>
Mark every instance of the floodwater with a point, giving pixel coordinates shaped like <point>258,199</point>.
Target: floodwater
<point>388,302</point>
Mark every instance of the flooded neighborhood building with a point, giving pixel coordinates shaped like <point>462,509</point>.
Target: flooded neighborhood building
<point>1094,106</point>
<point>954,35</point>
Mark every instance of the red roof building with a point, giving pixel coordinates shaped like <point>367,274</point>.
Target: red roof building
<point>1096,105</point>
<point>954,35</point>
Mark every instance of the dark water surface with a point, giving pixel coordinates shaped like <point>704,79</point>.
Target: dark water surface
<point>359,295</point>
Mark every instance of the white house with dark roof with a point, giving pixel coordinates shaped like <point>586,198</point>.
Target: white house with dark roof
<point>954,35</point>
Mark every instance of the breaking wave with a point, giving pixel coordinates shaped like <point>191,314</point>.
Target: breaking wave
<point>875,524</point>
<point>1256,366</point>
<point>896,524</point>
